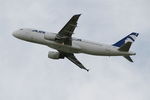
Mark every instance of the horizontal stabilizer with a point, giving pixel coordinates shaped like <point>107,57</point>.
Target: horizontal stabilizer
<point>125,47</point>
<point>128,58</point>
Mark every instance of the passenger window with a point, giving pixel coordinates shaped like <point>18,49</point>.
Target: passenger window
<point>34,31</point>
<point>79,40</point>
<point>41,32</point>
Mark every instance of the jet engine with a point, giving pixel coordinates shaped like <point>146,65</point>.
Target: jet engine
<point>50,36</point>
<point>55,55</point>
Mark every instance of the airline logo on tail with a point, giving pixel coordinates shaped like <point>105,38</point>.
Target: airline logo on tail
<point>130,38</point>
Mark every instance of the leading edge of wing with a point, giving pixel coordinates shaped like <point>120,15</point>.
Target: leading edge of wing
<point>70,26</point>
<point>73,59</point>
<point>65,34</point>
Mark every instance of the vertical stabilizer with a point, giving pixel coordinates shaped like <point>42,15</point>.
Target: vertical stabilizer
<point>130,38</point>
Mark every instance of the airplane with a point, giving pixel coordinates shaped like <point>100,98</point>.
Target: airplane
<point>67,46</point>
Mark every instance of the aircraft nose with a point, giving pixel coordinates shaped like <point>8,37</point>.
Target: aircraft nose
<point>15,33</point>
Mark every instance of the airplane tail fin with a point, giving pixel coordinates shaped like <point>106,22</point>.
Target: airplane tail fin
<point>130,38</point>
<point>125,44</point>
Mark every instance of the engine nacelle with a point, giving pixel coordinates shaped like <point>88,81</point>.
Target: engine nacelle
<point>55,55</point>
<point>50,36</point>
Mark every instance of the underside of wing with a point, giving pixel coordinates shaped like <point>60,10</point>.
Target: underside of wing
<point>65,34</point>
<point>73,59</point>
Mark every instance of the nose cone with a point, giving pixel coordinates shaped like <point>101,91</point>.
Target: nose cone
<point>15,34</point>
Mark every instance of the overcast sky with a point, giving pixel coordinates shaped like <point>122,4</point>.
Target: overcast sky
<point>26,73</point>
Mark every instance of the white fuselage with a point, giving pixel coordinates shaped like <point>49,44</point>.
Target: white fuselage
<point>78,45</point>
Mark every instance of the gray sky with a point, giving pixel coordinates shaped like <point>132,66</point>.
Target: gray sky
<point>27,74</point>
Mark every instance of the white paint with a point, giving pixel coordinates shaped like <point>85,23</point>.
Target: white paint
<point>78,46</point>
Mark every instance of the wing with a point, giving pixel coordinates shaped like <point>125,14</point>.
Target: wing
<point>73,59</point>
<point>65,34</point>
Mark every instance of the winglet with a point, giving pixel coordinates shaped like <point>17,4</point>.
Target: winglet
<point>77,15</point>
<point>87,70</point>
<point>73,59</point>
